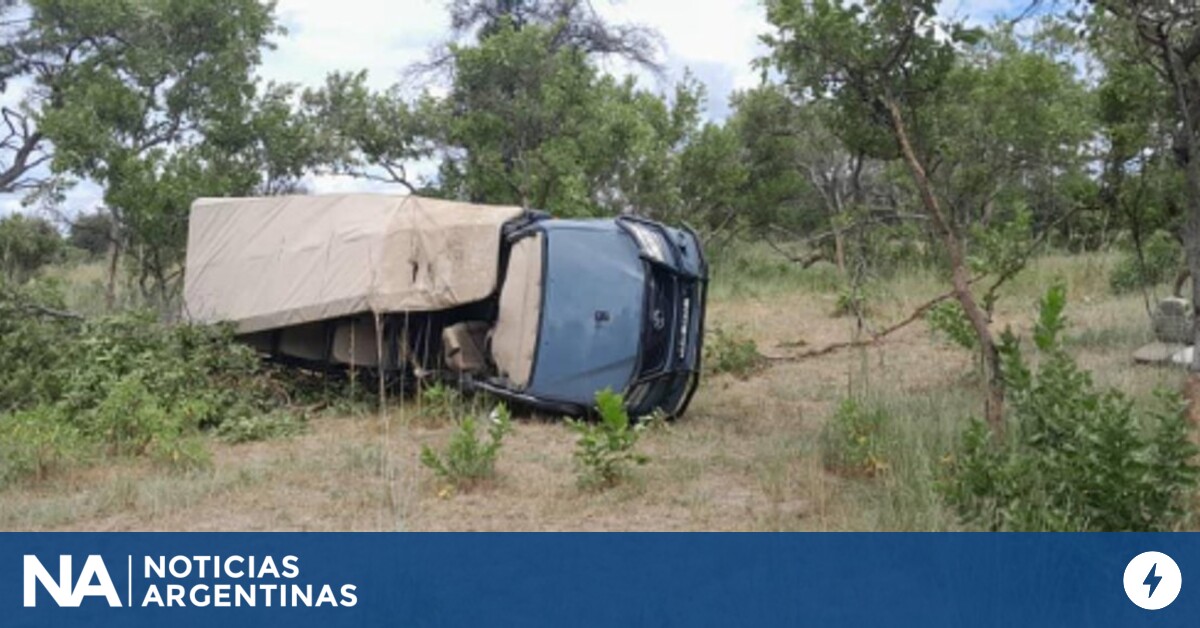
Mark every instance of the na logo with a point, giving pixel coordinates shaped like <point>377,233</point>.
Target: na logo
<point>93,581</point>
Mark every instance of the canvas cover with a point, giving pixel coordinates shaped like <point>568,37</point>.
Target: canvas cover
<point>270,262</point>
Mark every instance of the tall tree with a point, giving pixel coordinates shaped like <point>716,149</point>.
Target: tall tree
<point>23,149</point>
<point>884,65</point>
<point>132,88</point>
<point>527,117</point>
<point>575,25</point>
<point>1015,135</point>
<point>712,179</point>
<point>89,232</point>
<point>372,135</point>
<point>804,178</point>
<point>1166,39</point>
<point>527,123</point>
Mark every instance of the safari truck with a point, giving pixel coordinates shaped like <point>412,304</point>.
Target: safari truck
<point>536,310</point>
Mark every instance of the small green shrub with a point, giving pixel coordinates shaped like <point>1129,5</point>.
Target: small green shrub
<point>36,442</point>
<point>130,418</point>
<point>276,424</point>
<point>1072,457</point>
<point>440,402</point>
<point>468,459</point>
<point>182,453</point>
<point>852,440</point>
<point>1002,247</point>
<point>26,245</point>
<point>1163,257</point>
<point>731,352</point>
<point>33,361</point>
<point>604,451</point>
<point>851,303</point>
<point>948,319</point>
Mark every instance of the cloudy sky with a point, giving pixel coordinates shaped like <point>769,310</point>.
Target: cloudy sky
<point>715,39</point>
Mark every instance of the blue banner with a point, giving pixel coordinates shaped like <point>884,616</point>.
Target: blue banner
<point>243,579</point>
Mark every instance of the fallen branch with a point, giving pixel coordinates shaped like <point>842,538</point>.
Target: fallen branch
<point>13,301</point>
<point>875,337</point>
<point>922,309</point>
<point>805,262</point>
<point>51,312</point>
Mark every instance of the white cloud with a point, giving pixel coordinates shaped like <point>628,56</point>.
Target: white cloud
<point>981,11</point>
<point>702,32</point>
<point>340,184</point>
<point>349,35</point>
<point>84,197</point>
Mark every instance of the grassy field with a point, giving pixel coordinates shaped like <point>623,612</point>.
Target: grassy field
<point>746,457</point>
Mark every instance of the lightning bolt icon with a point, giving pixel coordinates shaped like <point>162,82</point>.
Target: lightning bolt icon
<point>1152,580</point>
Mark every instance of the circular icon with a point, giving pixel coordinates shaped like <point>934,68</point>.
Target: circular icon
<point>1152,580</point>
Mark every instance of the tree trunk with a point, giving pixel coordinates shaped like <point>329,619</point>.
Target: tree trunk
<point>110,290</point>
<point>960,275</point>
<point>1191,246</point>
<point>1191,230</point>
<point>839,249</point>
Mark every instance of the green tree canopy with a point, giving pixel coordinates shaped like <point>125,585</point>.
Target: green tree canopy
<point>26,245</point>
<point>155,100</point>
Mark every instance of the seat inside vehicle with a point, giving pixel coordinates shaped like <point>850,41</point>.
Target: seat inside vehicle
<point>515,336</point>
<point>354,344</point>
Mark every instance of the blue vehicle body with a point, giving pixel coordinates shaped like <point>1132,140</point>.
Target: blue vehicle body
<point>615,315</point>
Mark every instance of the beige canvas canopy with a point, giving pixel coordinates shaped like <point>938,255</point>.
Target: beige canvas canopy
<point>270,262</point>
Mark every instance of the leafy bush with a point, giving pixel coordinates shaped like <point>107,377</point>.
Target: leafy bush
<point>852,440</point>
<point>1072,457</point>
<point>199,373</point>
<point>34,443</point>
<point>604,450</point>
<point>441,402</point>
<point>130,418</point>
<point>1002,247</point>
<point>245,429</point>
<point>852,302</point>
<point>1163,257</point>
<point>90,232</point>
<point>26,245</point>
<point>116,386</point>
<point>731,352</point>
<point>469,460</point>
<point>33,359</point>
<point>949,320</point>
<point>182,453</point>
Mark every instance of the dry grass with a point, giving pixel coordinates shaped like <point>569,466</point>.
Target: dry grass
<point>745,458</point>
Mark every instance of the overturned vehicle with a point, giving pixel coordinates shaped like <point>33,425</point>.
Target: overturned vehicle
<point>539,311</point>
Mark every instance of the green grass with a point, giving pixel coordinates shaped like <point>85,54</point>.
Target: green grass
<point>756,271</point>
<point>1109,338</point>
<point>747,456</point>
<point>920,430</point>
<point>1086,276</point>
<point>85,286</point>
